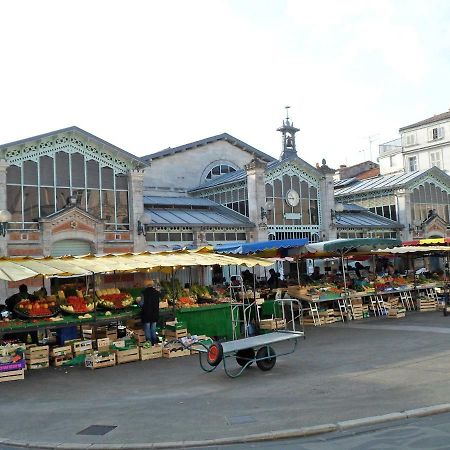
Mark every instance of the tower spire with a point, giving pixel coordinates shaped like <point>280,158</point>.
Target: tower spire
<point>288,137</point>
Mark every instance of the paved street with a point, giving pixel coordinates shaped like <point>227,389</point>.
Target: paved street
<point>340,372</point>
<point>430,433</point>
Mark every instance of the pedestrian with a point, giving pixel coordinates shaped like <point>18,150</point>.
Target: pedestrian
<point>150,310</point>
<point>273,280</point>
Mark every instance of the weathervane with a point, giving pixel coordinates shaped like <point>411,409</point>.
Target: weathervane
<point>287,112</point>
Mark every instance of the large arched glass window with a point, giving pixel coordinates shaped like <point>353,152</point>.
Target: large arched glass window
<point>427,198</point>
<point>41,187</point>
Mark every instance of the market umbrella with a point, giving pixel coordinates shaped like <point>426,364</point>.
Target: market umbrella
<point>341,247</point>
<point>10,271</point>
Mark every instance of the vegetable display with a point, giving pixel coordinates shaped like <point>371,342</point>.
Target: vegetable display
<point>77,305</point>
<point>113,299</point>
<point>36,309</point>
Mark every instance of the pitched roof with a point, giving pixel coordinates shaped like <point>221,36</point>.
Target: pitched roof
<point>435,118</point>
<point>119,152</point>
<point>220,137</point>
<point>386,182</point>
<point>355,216</point>
<point>184,215</point>
<point>241,174</point>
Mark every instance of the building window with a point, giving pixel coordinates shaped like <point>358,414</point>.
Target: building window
<point>391,161</point>
<point>412,162</point>
<point>37,189</point>
<point>435,159</point>
<point>437,133</point>
<point>219,170</point>
<point>410,139</point>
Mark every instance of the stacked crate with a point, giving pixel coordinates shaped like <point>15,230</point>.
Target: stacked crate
<point>396,310</point>
<point>175,330</point>
<point>13,367</point>
<point>60,354</point>
<point>97,360</point>
<point>153,352</point>
<point>357,308</point>
<point>37,356</point>
<point>426,304</point>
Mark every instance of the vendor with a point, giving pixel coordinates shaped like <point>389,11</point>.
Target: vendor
<point>316,275</point>
<point>247,278</point>
<point>12,301</point>
<point>23,294</point>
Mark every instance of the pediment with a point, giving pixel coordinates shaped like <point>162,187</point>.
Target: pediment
<point>72,214</point>
<point>72,138</point>
<point>435,226</point>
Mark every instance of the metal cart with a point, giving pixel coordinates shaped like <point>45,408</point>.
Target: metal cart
<point>255,349</point>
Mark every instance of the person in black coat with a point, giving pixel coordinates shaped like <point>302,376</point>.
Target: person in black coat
<point>274,279</point>
<point>150,311</point>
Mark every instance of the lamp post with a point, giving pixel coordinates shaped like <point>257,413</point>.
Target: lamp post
<point>5,218</point>
<point>142,222</point>
<point>335,213</point>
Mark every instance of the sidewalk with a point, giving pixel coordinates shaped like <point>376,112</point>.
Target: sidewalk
<point>339,373</point>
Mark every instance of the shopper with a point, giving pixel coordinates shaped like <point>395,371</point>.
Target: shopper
<point>274,279</point>
<point>150,311</point>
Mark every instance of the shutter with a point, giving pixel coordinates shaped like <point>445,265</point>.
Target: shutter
<point>72,247</point>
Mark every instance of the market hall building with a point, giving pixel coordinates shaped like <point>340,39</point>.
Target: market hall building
<point>70,192</point>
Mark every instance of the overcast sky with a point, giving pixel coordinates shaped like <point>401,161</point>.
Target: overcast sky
<point>147,75</point>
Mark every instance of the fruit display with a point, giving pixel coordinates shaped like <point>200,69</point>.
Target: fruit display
<point>113,299</point>
<point>37,308</point>
<point>75,304</point>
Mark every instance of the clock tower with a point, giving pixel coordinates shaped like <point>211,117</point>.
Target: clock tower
<point>288,137</point>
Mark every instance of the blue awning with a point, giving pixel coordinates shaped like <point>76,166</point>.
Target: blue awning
<point>255,247</point>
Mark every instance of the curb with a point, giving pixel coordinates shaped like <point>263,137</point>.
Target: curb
<point>270,436</point>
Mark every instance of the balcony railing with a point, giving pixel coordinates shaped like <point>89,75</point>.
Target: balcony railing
<point>390,147</point>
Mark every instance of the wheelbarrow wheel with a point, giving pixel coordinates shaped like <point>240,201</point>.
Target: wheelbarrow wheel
<point>266,364</point>
<point>243,356</point>
<point>215,354</point>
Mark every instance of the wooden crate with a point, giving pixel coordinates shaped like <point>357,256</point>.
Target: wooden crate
<point>175,334</point>
<point>175,352</point>
<point>61,351</point>
<point>153,352</point>
<point>103,344</point>
<point>97,361</point>
<point>12,375</point>
<point>134,324</point>
<point>426,304</point>
<point>125,356</point>
<point>37,356</point>
<point>272,324</point>
<point>58,361</point>
<point>139,335</point>
<point>103,332</point>
<point>81,347</point>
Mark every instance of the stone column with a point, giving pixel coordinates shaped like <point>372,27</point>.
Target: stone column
<point>403,207</point>
<point>257,197</point>
<point>327,203</point>
<point>3,205</point>
<point>136,205</point>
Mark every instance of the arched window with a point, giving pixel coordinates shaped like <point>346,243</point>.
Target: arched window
<point>218,170</point>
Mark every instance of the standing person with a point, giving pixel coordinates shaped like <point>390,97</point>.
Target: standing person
<point>150,311</point>
<point>273,280</point>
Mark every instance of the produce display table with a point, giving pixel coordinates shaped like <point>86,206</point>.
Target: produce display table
<point>20,326</point>
<point>212,320</point>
